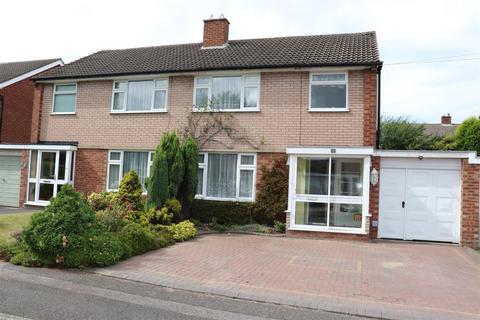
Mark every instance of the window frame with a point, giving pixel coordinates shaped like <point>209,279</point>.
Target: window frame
<point>329,199</point>
<point>152,105</point>
<point>243,85</point>
<point>312,83</point>
<point>240,167</point>
<point>120,164</point>
<point>55,93</point>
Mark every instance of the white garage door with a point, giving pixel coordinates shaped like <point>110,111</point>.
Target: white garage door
<point>420,199</point>
<point>9,180</point>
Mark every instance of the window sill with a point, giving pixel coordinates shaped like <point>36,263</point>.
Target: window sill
<point>62,113</point>
<point>224,199</point>
<point>330,230</point>
<point>38,204</point>
<point>134,112</point>
<point>225,110</point>
<point>327,109</point>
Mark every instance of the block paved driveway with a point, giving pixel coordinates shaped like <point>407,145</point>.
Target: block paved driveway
<point>394,280</point>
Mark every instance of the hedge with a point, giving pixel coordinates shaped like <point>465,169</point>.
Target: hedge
<point>224,212</point>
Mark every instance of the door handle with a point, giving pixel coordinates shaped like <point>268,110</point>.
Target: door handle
<point>403,204</point>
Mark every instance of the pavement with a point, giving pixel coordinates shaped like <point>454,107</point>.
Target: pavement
<point>391,280</point>
<point>13,210</point>
<point>52,294</point>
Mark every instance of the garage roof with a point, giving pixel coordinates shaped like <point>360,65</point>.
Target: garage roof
<point>11,72</point>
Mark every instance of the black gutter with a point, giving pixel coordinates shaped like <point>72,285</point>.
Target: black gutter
<point>379,78</point>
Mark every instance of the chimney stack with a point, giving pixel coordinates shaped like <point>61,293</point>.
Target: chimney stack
<point>447,120</point>
<point>215,31</point>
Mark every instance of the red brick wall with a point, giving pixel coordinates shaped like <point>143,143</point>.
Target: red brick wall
<point>23,177</point>
<point>326,235</point>
<point>470,204</point>
<point>369,107</point>
<point>90,170</point>
<point>17,112</point>
<point>36,113</point>
<point>374,199</point>
<point>215,32</point>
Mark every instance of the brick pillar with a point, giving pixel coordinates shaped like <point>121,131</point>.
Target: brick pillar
<point>23,178</point>
<point>374,199</point>
<point>470,204</point>
<point>36,113</point>
<point>369,107</point>
<point>90,170</point>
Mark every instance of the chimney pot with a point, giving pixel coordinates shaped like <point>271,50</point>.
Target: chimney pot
<point>215,31</point>
<point>447,120</point>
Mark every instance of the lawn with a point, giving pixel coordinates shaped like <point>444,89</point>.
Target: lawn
<point>12,222</point>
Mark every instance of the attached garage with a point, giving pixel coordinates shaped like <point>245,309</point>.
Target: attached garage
<point>10,180</point>
<point>420,199</point>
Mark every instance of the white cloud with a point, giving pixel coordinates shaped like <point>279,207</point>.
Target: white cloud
<point>407,30</point>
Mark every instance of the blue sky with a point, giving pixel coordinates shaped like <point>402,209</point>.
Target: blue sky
<point>407,31</point>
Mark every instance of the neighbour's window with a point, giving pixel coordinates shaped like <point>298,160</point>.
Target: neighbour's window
<point>226,176</point>
<point>329,192</point>
<point>140,95</point>
<point>233,93</point>
<point>64,98</point>
<point>121,162</point>
<point>328,92</point>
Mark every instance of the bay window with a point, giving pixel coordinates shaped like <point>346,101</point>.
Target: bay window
<point>329,192</point>
<point>121,162</point>
<point>140,96</point>
<point>64,98</point>
<point>329,91</point>
<point>227,93</point>
<point>226,176</point>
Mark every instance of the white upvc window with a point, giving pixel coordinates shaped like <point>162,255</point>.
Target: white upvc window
<point>226,176</point>
<point>227,93</point>
<point>329,91</point>
<point>121,162</point>
<point>329,193</point>
<point>64,98</point>
<point>140,96</point>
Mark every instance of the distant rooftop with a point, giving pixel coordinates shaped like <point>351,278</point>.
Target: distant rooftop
<point>12,70</point>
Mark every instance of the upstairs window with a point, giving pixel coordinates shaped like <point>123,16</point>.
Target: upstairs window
<point>140,96</point>
<point>227,93</point>
<point>329,91</point>
<point>65,98</point>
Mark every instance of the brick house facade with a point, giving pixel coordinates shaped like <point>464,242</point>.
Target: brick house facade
<point>318,112</point>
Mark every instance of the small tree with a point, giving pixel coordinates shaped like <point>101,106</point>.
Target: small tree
<point>170,144</point>
<point>467,135</point>
<point>190,179</point>
<point>403,134</point>
<point>130,191</point>
<point>158,183</point>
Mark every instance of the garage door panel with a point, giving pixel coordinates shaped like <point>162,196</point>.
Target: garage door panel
<point>391,217</point>
<point>9,181</point>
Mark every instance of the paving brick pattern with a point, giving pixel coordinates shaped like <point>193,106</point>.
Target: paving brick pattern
<point>390,279</point>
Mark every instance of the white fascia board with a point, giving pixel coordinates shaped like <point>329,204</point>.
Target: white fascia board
<point>470,155</point>
<point>330,150</point>
<point>31,73</point>
<point>37,147</point>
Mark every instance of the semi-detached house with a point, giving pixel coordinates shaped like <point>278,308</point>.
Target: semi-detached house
<point>310,100</point>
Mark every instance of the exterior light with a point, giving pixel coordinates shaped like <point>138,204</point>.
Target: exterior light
<point>374,177</point>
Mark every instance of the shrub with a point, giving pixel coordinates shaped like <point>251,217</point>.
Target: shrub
<point>137,239</point>
<point>190,178</point>
<point>19,254</point>
<point>403,134</point>
<point>225,212</point>
<point>164,236</point>
<point>279,226</point>
<point>102,200</point>
<point>162,216</point>
<point>141,217</point>
<point>170,144</point>
<point>182,231</point>
<point>130,191</point>
<point>112,218</point>
<point>158,183</point>
<point>52,232</point>
<point>272,197</point>
<point>254,227</point>
<point>174,207</point>
<point>467,135</point>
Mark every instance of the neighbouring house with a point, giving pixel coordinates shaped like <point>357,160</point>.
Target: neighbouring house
<point>313,101</point>
<point>440,129</point>
<point>17,120</point>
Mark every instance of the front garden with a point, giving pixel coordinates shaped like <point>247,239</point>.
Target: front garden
<point>107,227</point>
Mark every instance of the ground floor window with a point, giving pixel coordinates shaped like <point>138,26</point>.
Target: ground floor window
<point>330,192</point>
<point>49,170</point>
<point>121,162</point>
<point>226,176</point>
